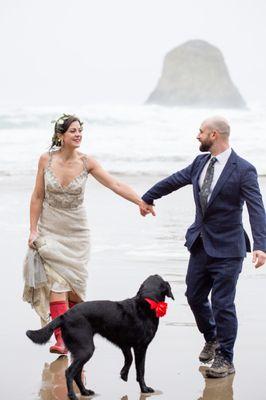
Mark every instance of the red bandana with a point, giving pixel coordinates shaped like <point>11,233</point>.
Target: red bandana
<point>160,307</point>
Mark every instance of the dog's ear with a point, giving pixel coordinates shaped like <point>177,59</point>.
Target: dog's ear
<point>168,291</point>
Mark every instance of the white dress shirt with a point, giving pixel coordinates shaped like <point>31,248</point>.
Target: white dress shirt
<point>219,165</point>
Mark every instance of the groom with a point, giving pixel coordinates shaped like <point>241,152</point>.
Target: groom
<point>222,181</point>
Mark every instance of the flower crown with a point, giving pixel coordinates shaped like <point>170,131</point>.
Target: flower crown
<point>60,122</point>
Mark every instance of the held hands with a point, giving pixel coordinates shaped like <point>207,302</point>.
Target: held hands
<point>145,209</point>
<point>33,236</point>
<point>259,258</point>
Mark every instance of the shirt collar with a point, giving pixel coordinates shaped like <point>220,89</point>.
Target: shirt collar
<point>223,157</point>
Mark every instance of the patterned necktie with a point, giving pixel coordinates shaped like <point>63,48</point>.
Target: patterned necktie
<point>206,186</point>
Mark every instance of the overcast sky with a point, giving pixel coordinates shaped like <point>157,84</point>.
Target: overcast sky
<point>111,51</point>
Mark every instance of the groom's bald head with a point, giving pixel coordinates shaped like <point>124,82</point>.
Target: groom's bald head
<point>218,124</point>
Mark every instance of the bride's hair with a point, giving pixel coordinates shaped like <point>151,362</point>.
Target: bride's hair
<point>61,125</point>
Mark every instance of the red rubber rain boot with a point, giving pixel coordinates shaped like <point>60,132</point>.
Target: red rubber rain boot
<point>58,308</point>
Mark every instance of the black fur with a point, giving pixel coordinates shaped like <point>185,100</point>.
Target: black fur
<point>41,336</point>
<point>127,324</point>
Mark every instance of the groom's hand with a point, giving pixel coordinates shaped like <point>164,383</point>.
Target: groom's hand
<point>145,209</point>
<point>259,258</point>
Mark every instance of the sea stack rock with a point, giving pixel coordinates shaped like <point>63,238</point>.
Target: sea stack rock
<point>195,74</point>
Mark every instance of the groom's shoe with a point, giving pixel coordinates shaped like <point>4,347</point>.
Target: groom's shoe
<point>220,367</point>
<point>208,352</point>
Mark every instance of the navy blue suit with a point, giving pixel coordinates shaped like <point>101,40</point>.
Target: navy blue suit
<point>218,242</point>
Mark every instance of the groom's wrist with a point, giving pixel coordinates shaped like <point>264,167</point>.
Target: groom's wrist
<point>148,200</point>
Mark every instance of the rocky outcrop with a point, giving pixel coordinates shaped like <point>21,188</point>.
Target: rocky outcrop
<point>195,74</point>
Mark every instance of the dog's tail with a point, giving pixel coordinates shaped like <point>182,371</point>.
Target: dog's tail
<point>41,336</point>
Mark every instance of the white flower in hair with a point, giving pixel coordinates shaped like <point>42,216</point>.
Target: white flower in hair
<point>60,122</point>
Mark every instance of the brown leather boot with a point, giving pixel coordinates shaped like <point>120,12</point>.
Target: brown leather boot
<point>58,308</point>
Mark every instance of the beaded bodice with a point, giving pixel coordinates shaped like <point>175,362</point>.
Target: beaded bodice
<point>64,197</point>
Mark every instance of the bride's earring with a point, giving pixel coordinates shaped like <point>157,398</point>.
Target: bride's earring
<point>60,142</point>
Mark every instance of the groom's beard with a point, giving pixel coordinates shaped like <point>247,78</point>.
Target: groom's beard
<point>206,145</point>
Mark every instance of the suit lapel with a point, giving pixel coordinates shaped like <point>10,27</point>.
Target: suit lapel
<point>228,169</point>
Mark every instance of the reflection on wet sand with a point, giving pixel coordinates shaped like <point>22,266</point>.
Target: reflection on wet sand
<point>53,385</point>
<point>217,389</point>
<point>144,396</point>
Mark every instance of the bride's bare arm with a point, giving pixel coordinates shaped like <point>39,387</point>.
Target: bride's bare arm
<point>37,199</point>
<point>110,182</point>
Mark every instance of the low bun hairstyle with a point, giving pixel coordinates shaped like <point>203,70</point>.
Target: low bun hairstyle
<point>61,125</point>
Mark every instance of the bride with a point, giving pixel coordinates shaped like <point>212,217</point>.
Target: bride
<point>59,233</point>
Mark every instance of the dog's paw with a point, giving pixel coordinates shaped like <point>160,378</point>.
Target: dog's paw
<point>72,396</point>
<point>124,375</point>
<point>147,389</point>
<point>87,392</point>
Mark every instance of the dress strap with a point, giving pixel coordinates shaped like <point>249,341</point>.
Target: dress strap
<point>85,162</point>
<point>50,159</point>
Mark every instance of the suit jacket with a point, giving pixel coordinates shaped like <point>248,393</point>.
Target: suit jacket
<point>221,225</point>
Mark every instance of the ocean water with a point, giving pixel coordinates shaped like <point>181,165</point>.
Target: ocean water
<point>128,140</point>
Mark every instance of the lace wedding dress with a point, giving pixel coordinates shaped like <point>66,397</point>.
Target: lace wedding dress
<point>62,243</point>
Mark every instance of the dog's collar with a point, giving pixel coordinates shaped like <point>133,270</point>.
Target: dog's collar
<point>159,307</point>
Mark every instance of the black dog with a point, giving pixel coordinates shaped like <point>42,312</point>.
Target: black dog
<point>128,323</point>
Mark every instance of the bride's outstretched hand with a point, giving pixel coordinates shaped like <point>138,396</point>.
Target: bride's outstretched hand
<point>145,209</point>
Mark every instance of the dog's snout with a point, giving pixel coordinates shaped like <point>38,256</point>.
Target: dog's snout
<point>169,291</point>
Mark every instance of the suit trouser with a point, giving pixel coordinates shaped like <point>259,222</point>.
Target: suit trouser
<point>216,319</point>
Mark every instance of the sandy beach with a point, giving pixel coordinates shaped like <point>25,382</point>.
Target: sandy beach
<point>125,250</point>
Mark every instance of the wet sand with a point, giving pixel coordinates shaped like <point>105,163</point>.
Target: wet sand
<point>125,250</point>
